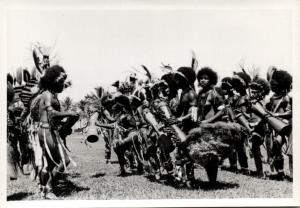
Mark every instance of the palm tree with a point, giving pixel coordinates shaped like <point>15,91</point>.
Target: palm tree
<point>81,105</point>
<point>67,103</point>
<point>88,98</point>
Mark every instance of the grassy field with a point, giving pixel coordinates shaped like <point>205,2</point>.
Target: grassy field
<point>93,179</point>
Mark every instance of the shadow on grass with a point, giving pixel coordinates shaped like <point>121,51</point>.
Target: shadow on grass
<point>114,162</point>
<point>19,196</point>
<point>26,173</point>
<point>219,185</point>
<point>198,184</point>
<point>253,174</point>
<point>133,172</point>
<point>74,175</point>
<point>98,175</point>
<point>66,188</point>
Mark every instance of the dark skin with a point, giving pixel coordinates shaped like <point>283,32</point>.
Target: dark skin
<point>285,110</point>
<point>50,104</point>
<point>51,114</point>
<point>188,99</point>
<point>108,116</point>
<point>187,109</point>
<point>205,86</point>
<point>128,122</point>
<point>204,83</point>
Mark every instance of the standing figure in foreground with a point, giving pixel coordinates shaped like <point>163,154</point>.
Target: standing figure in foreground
<point>12,149</point>
<point>259,89</point>
<point>208,98</point>
<point>239,103</point>
<point>52,131</point>
<point>186,113</point>
<point>164,101</point>
<point>127,146</point>
<point>281,106</point>
<point>107,117</point>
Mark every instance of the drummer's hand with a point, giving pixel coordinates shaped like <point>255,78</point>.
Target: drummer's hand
<point>172,121</point>
<point>145,104</point>
<point>74,114</point>
<point>179,120</point>
<point>204,122</point>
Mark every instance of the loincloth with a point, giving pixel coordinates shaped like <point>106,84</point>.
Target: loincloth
<point>53,146</point>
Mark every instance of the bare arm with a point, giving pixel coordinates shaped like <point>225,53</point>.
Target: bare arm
<point>284,115</point>
<point>108,126</point>
<point>287,114</point>
<point>192,113</point>
<point>215,117</point>
<point>108,116</point>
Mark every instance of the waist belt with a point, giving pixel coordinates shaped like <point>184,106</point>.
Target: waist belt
<point>45,125</point>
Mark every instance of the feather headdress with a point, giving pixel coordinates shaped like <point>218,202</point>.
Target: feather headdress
<point>41,57</point>
<point>194,63</point>
<point>148,74</point>
<point>270,72</point>
<point>166,67</point>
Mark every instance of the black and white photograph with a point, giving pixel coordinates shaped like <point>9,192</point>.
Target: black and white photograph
<point>139,101</point>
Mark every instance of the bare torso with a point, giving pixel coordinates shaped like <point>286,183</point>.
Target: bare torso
<point>48,99</point>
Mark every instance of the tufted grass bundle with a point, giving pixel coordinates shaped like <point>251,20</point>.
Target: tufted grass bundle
<point>209,142</point>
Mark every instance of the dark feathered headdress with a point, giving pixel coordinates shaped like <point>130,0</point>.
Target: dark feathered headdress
<point>99,92</point>
<point>40,53</point>
<point>260,85</point>
<point>36,61</point>
<point>10,92</point>
<point>241,81</point>
<point>26,75</point>
<point>194,63</point>
<point>10,79</point>
<point>148,74</point>
<point>169,79</point>
<point>124,101</point>
<point>116,84</point>
<point>243,77</point>
<point>166,67</point>
<point>186,73</point>
<point>226,83</point>
<point>282,79</point>
<point>270,72</point>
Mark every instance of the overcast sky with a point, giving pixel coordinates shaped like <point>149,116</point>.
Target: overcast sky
<point>97,47</point>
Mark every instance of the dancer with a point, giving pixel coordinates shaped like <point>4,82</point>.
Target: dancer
<point>281,106</point>
<point>52,131</point>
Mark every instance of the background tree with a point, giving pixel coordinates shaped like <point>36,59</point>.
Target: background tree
<point>81,105</point>
<point>67,103</point>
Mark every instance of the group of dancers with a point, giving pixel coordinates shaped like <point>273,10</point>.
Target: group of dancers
<point>146,110</point>
<point>151,124</point>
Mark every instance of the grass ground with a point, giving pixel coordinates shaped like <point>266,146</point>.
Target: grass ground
<point>93,179</point>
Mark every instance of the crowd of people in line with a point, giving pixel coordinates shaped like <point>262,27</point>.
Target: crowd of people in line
<point>155,126</point>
